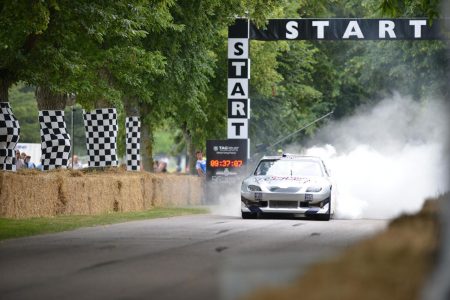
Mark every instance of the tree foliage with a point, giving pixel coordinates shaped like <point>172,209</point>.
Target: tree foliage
<point>167,61</point>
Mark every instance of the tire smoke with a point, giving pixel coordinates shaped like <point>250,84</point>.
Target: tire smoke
<point>386,159</point>
<point>227,198</point>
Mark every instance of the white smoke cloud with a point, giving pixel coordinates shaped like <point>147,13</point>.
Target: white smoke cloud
<point>227,199</point>
<point>386,159</point>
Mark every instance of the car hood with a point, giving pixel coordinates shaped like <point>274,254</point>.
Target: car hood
<point>270,182</point>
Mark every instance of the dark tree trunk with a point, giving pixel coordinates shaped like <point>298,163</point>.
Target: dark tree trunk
<point>55,140</point>
<point>101,130</point>
<point>49,100</point>
<point>146,139</point>
<point>105,76</point>
<point>9,128</point>
<point>190,149</point>
<point>132,134</point>
<point>4,88</point>
<point>131,107</point>
<point>9,136</point>
<point>103,120</point>
<point>147,148</point>
<point>102,103</point>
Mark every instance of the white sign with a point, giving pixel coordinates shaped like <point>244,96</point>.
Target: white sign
<point>237,88</point>
<point>237,128</point>
<point>237,48</point>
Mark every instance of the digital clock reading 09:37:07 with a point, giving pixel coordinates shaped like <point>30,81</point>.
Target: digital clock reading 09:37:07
<point>225,163</point>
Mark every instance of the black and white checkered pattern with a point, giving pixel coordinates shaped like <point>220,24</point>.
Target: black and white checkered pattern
<point>101,137</point>
<point>9,136</point>
<point>133,131</point>
<point>55,141</point>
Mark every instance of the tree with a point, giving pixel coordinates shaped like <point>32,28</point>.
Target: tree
<point>321,76</point>
<point>91,49</point>
<point>186,93</point>
<point>412,8</point>
<point>22,23</point>
<point>25,109</point>
<point>167,60</point>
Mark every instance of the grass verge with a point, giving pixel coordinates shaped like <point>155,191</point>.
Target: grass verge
<point>13,228</point>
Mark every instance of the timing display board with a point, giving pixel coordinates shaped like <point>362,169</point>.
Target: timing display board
<point>225,158</point>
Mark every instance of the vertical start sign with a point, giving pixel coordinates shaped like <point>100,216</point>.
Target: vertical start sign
<point>225,159</point>
<point>238,80</point>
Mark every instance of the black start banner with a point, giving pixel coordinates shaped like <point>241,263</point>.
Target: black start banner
<point>351,29</point>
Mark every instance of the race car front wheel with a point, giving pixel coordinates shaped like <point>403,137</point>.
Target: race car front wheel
<point>327,215</point>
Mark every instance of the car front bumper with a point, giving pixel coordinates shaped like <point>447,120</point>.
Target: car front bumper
<point>299,203</point>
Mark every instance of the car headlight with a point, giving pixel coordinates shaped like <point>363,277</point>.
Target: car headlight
<point>313,189</point>
<point>253,188</point>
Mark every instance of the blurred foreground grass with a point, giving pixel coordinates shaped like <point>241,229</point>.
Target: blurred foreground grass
<point>392,265</point>
<point>14,228</point>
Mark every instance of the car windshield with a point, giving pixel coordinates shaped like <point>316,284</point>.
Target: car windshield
<point>292,168</point>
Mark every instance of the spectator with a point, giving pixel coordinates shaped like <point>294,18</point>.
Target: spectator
<point>76,163</point>
<point>200,166</point>
<point>27,163</point>
<point>163,165</point>
<point>19,161</point>
<point>155,166</point>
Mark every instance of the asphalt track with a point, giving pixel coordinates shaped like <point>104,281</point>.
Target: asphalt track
<point>190,257</point>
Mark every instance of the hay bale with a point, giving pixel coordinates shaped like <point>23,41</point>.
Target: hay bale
<point>29,193</point>
<point>157,184</point>
<point>180,190</point>
<point>103,193</point>
<point>147,190</point>
<point>173,188</point>
<point>196,188</point>
<point>25,197</point>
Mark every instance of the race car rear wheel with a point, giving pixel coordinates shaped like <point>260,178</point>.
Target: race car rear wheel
<point>248,215</point>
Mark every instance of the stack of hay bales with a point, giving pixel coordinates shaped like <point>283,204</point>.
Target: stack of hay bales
<point>29,193</point>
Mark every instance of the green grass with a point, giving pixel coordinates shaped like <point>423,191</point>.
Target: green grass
<point>12,228</point>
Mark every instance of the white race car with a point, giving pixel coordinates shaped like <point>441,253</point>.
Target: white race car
<point>291,184</point>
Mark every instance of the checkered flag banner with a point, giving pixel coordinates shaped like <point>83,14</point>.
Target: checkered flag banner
<point>55,141</point>
<point>101,137</point>
<point>9,136</point>
<point>133,131</point>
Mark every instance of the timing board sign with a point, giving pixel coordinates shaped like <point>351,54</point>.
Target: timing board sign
<point>225,158</point>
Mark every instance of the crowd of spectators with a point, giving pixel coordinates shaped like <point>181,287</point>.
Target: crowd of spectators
<point>23,161</point>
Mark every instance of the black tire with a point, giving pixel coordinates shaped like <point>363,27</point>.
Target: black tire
<point>327,216</point>
<point>248,215</point>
